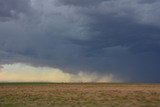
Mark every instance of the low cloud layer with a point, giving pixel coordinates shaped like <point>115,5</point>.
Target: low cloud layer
<point>118,37</point>
<point>26,73</point>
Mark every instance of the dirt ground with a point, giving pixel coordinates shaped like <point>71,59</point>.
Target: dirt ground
<point>79,95</point>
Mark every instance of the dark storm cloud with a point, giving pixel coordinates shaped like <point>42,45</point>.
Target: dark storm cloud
<point>123,45</point>
<point>105,36</point>
<point>115,29</point>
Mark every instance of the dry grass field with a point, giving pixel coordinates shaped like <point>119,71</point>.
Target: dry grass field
<point>79,95</point>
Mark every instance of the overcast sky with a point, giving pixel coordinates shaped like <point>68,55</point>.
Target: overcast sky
<point>115,37</point>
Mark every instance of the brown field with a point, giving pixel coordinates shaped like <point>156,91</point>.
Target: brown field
<point>79,95</point>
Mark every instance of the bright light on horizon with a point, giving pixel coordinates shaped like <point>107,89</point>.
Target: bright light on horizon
<point>19,72</point>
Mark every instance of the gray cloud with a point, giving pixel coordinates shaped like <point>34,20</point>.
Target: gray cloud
<point>81,2</point>
<point>12,9</point>
<point>105,36</point>
<point>148,1</point>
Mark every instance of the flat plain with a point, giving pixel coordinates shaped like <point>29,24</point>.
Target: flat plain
<point>79,95</point>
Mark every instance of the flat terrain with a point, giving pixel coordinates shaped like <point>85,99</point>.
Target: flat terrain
<point>79,95</point>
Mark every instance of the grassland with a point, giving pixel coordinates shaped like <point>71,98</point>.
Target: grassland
<point>79,95</point>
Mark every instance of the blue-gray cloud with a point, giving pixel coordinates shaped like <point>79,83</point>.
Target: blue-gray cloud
<point>12,9</point>
<point>120,37</point>
<point>81,2</point>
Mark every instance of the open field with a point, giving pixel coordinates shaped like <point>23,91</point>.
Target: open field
<point>79,95</point>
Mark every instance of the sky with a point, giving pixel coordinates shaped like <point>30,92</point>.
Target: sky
<point>80,40</point>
